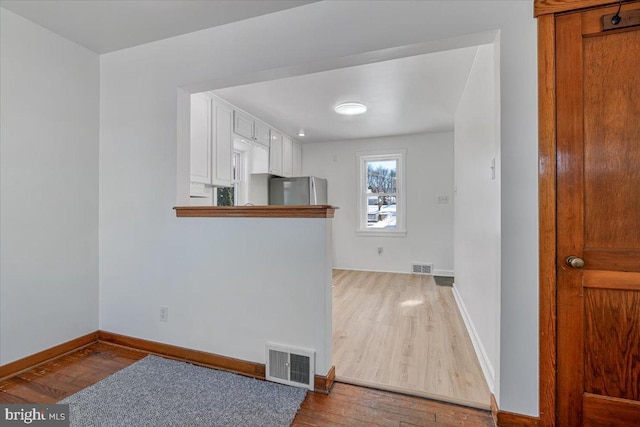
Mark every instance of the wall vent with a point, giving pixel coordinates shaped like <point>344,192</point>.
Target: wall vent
<point>421,268</point>
<point>291,366</point>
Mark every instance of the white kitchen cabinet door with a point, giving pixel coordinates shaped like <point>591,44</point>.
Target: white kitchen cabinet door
<point>222,145</point>
<point>261,133</point>
<point>297,158</point>
<point>259,159</point>
<point>243,124</point>
<point>287,156</point>
<point>201,170</point>
<point>275,153</point>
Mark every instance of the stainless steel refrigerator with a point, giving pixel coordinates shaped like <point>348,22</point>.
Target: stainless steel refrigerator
<point>304,190</point>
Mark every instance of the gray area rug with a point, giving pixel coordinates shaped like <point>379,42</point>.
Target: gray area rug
<point>160,392</point>
<point>444,281</point>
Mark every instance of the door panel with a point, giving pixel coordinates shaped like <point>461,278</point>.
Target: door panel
<point>598,220</point>
<point>612,337</point>
<point>611,154</point>
<point>608,411</point>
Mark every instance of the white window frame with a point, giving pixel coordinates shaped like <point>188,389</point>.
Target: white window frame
<point>236,180</point>
<point>399,155</point>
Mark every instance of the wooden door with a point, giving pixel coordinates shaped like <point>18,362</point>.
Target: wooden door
<point>598,221</point>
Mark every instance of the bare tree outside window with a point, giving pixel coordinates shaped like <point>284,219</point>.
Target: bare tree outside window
<point>381,193</point>
<point>381,187</point>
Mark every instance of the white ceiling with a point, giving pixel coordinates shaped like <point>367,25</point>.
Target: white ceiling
<point>107,25</point>
<point>404,96</point>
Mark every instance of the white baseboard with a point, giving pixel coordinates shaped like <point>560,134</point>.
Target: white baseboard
<point>485,364</point>
<point>445,273</point>
<point>371,270</point>
<point>436,272</point>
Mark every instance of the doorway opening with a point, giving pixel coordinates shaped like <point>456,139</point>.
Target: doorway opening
<point>472,235</point>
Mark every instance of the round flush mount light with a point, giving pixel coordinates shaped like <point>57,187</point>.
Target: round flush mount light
<point>301,132</point>
<point>351,108</point>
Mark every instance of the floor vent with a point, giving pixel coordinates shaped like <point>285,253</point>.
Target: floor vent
<point>422,268</point>
<point>291,366</point>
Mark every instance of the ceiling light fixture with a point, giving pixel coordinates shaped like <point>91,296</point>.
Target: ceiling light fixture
<point>351,108</point>
<point>301,132</point>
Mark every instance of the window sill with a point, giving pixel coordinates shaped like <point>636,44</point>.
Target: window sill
<point>381,233</point>
<point>313,211</point>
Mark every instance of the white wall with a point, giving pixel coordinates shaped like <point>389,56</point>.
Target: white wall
<point>144,249</point>
<point>429,174</point>
<point>49,189</point>
<point>477,213</point>
<point>231,284</point>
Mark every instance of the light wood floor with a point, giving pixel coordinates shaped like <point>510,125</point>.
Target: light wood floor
<point>403,333</point>
<point>346,406</point>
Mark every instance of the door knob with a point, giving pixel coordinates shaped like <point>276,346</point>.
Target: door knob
<point>575,262</point>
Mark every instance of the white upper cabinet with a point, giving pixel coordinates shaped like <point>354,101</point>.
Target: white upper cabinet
<point>261,133</point>
<point>260,159</point>
<point>275,153</point>
<point>222,147</point>
<point>243,124</point>
<point>201,170</point>
<point>250,128</point>
<point>287,156</point>
<point>211,142</point>
<point>297,158</point>
<point>284,153</point>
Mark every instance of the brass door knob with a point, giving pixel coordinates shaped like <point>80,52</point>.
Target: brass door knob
<point>575,262</point>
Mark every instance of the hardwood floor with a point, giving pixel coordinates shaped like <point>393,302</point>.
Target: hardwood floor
<point>347,405</point>
<point>403,333</point>
<point>62,377</point>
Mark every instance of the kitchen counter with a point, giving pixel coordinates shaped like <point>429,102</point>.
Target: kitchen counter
<point>307,211</point>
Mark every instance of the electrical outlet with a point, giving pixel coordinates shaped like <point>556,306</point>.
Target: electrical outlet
<point>164,314</point>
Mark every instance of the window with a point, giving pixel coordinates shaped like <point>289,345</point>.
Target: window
<point>229,196</point>
<point>381,202</point>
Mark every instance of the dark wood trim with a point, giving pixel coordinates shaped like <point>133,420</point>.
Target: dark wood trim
<point>324,384</point>
<point>494,409</point>
<point>509,419</point>
<point>544,7</point>
<point>210,360</point>
<point>312,211</point>
<point>13,368</point>
<point>547,218</point>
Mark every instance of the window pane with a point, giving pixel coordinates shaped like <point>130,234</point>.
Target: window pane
<point>381,176</point>
<point>237,165</point>
<point>225,196</point>
<point>381,211</point>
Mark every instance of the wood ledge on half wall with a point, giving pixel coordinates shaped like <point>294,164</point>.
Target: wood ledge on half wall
<point>306,211</point>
